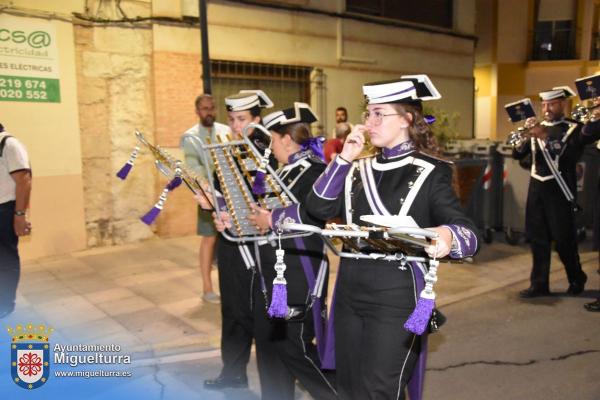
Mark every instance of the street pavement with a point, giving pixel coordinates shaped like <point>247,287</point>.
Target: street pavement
<point>146,297</point>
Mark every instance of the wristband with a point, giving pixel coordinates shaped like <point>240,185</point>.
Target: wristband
<point>343,159</point>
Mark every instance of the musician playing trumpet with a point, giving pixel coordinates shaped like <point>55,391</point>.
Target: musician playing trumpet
<point>550,150</point>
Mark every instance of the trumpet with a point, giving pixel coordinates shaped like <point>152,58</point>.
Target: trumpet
<point>168,165</point>
<point>171,167</point>
<point>517,137</point>
<point>584,114</point>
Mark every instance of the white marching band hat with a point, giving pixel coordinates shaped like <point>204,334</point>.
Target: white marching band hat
<point>301,112</point>
<point>558,92</point>
<point>409,88</point>
<point>247,100</point>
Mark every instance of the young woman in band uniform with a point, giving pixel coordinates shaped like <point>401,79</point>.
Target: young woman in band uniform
<point>375,356</point>
<point>285,351</point>
<point>237,267</point>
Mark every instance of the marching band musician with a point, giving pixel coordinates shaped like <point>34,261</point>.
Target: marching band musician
<point>551,151</point>
<point>374,355</point>
<point>237,264</point>
<point>284,349</point>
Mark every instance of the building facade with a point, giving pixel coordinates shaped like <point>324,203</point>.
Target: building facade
<point>525,47</point>
<point>126,65</point>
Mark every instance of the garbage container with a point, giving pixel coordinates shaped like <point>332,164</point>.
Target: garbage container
<point>514,196</point>
<point>491,201</point>
<point>588,171</point>
<point>469,172</point>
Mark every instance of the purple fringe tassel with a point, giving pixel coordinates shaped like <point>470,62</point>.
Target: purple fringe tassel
<point>258,187</point>
<point>123,172</point>
<point>151,215</point>
<point>278,307</point>
<point>174,183</point>
<point>419,319</point>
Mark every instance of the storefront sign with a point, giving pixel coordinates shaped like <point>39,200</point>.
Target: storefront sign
<point>28,60</point>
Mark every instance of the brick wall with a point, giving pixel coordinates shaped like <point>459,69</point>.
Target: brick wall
<point>177,82</point>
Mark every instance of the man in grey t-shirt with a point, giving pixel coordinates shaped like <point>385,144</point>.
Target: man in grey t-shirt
<point>206,128</point>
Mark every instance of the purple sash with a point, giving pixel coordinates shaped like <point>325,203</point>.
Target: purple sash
<point>326,355</point>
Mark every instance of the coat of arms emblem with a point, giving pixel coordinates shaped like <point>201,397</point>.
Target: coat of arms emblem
<point>30,355</point>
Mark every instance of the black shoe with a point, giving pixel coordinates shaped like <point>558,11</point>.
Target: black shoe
<point>576,288</point>
<point>593,307</point>
<point>532,291</point>
<point>221,382</point>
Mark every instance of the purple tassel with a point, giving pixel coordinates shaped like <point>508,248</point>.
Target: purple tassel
<point>151,215</point>
<point>258,187</point>
<point>419,319</point>
<point>278,307</point>
<point>175,182</point>
<point>123,172</point>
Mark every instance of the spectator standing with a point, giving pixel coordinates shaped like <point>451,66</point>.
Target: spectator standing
<point>15,189</point>
<point>206,128</point>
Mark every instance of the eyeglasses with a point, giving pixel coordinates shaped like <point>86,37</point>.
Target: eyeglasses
<point>375,116</point>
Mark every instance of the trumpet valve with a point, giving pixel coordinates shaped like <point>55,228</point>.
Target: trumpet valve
<point>516,137</point>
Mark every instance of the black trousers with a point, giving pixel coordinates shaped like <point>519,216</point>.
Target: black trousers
<point>374,354</point>
<point>596,225</point>
<point>237,331</point>
<point>285,352</point>
<point>10,265</point>
<point>550,218</point>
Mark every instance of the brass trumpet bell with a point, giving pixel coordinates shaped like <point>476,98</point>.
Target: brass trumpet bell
<point>584,114</point>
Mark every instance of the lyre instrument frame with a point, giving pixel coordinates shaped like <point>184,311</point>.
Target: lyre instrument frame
<point>204,149</point>
<point>415,237</point>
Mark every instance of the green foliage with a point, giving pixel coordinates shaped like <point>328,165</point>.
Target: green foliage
<point>445,126</point>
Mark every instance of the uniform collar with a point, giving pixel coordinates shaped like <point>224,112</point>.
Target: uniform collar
<point>399,150</point>
<point>297,156</point>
